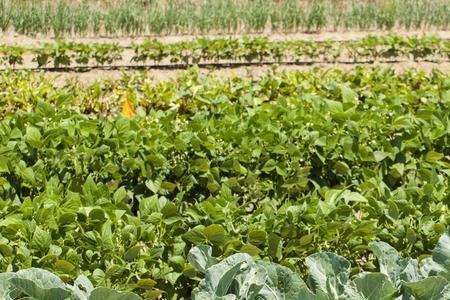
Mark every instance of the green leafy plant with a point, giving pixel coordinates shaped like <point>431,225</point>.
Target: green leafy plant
<point>372,48</point>
<point>106,53</point>
<point>11,55</point>
<point>240,277</point>
<point>280,168</point>
<point>122,18</point>
<point>41,284</point>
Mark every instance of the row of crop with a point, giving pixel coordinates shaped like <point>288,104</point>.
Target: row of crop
<point>330,276</point>
<point>191,91</point>
<point>295,164</point>
<point>64,54</point>
<point>64,18</point>
<point>35,283</point>
<point>261,49</point>
<point>241,277</point>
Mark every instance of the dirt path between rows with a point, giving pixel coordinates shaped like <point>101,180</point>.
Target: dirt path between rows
<point>13,38</point>
<point>253,72</point>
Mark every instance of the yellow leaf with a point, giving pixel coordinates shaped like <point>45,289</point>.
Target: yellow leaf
<point>127,109</point>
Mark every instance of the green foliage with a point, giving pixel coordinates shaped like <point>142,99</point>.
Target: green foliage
<point>63,54</point>
<point>280,168</point>
<point>372,48</point>
<point>130,18</point>
<point>43,285</point>
<point>240,277</point>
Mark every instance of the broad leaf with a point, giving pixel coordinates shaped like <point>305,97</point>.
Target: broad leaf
<point>441,253</point>
<point>102,293</point>
<point>40,284</point>
<point>431,288</point>
<point>393,265</point>
<point>219,277</point>
<point>329,273</point>
<point>370,286</point>
<point>201,258</point>
<point>284,284</point>
<point>6,286</point>
<point>82,287</point>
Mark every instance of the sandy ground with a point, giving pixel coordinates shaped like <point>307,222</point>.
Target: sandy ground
<point>13,38</point>
<point>253,72</point>
<point>248,72</point>
<point>127,54</point>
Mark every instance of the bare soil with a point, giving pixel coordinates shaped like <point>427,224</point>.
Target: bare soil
<point>14,38</point>
<point>247,72</point>
<point>253,72</point>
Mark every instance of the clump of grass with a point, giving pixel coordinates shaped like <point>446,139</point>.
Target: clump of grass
<point>62,21</point>
<point>292,16</point>
<point>5,16</point>
<point>316,18</point>
<point>138,17</point>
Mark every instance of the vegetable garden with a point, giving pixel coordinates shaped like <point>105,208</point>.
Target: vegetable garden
<point>282,168</point>
<point>389,48</point>
<point>326,183</point>
<point>149,17</point>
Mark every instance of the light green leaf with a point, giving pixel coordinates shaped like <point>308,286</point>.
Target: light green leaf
<point>4,164</point>
<point>433,156</point>
<point>380,156</point>
<point>334,106</point>
<point>40,284</point>
<point>250,283</point>
<point>219,277</point>
<point>269,166</point>
<point>431,288</point>
<point>201,258</point>
<point>6,286</point>
<point>82,287</point>
<point>200,165</point>
<point>393,265</point>
<point>370,286</point>
<point>348,95</point>
<point>41,239</point>
<point>441,253</point>
<point>329,273</point>
<point>285,284</point>
<point>102,293</point>
<point>33,137</point>
<point>132,253</point>
<point>215,233</point>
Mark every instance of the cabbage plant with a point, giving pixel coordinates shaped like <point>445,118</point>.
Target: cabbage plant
<point>39,284</point>
<point>240,277</point>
